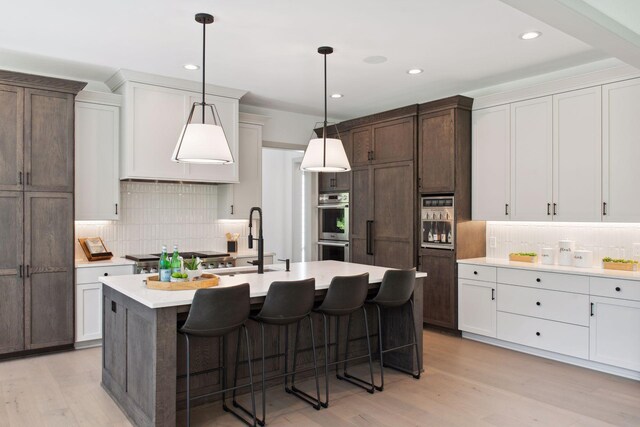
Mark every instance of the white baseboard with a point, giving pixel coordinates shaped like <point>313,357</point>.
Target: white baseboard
<point>87,344</point>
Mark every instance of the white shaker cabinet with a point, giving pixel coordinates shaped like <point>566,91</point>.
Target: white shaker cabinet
<point>490,163</point>
<point>577,155</point>
<point>531,160</point>
<point>97,136</point>
<point>236,200</point>
<point>621,151</point>
<point>477,307</point>
<point>614,333</point>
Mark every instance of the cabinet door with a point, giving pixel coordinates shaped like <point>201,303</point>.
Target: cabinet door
<point>393,215</point>
<point>477,307</point>
<point>394,141</point>
<point>227,109</point>
<point>614,334</point>
<point>621,151</point>
<point>49,282</point>
<point>11,143</point>
<point>48,140</point>
<point>491,164</point>
<point>531,160</point>
<point>440,293</point>
<point>236,200</point>
<point>88,312</point>
<point>360,212</point>
<point>11,272</point>
<point>437,152</point>
<point>577,155</point>
<point>326,181</point>
<point>154,121</point>
<point>361,145</point>
<point>97,182</point>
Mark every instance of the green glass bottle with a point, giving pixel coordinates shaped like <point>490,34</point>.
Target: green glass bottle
<point>164,266</point>
<point>176,265</point>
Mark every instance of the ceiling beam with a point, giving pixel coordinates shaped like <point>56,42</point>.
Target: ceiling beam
<point>587,24</point>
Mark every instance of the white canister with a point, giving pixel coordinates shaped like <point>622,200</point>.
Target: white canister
<point>583,259</point>
<point>547,256</point>
<point>565,252</point>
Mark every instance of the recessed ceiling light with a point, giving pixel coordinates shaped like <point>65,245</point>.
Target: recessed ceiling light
<point>415,71</point>
<point>337,95</point>
<point>191,67</point>
<point>530,35</point>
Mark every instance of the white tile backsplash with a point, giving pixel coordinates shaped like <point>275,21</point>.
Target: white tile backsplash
<point>155,214</point>
<point>613,240</point>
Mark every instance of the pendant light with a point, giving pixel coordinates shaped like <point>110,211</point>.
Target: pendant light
<point>325,154</point>
<point>204,143</point>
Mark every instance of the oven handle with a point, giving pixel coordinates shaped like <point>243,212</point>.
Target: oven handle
<point>342,245</point>
<point>336,206</point>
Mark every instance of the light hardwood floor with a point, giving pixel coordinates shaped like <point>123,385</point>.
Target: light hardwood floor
<point>465,384</point>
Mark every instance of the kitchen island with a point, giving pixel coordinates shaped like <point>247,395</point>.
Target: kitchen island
<point>143,355</point>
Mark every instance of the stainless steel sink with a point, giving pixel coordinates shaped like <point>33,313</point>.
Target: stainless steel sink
<point>248,271</point>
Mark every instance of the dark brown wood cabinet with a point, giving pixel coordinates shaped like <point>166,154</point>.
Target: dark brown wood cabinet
<point>11,272</point>
<point>439,295</point>
<point>384,142</point>
<point>36,212</point>
<point>444,167</point>
<point>360,211</point>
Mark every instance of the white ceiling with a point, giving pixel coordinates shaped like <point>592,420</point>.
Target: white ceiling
<point>269,47</point>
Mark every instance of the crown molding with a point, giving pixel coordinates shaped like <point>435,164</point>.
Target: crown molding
<point>104,98</point>
<point>122,76</point>
<point>254,119</point>
<point>40,82</point>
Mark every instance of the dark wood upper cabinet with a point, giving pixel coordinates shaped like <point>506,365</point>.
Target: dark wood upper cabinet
<point>11,146</point>
<point>393,141</point>
<point>49,284</point>
<point>48,140</point>
<point>361,142</point>
<point>11,272</point>
<point>444,129</point>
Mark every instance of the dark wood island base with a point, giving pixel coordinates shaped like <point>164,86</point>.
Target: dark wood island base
<point>144,357</point>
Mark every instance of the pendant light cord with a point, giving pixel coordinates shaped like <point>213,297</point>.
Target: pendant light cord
<point>324,130</point>
<point>204,41</point>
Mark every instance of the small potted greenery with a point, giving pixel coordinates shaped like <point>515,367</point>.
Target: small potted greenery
<point>619,264</point>
<point>193,268</point>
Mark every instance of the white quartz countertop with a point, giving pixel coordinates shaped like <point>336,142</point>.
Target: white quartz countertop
<point>249,253</point>
<point>323,271</point>
<point>83,263</point>
<point>595,271</point>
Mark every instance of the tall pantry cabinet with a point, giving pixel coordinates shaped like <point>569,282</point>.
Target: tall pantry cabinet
<point>36,211</point>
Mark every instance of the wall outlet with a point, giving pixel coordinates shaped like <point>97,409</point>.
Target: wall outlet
<point>493,242</point>
<point>636,250</point>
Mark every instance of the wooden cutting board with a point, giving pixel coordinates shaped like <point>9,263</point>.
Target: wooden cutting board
<point>202,282</point>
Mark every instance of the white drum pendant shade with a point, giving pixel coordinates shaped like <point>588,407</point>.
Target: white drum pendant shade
<point>316,160</point>
<point>204,144</point>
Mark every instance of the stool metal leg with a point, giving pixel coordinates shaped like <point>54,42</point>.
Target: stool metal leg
<point>252,391</point>
<point>326,362</point>
<point>255,421</point>
<point>313,401</point>
<point>414,344</point>
<point>380,350</point>
<point>355,380</point>
<point>186,338</point>
<point>346,350</point>
<point>415,338</point>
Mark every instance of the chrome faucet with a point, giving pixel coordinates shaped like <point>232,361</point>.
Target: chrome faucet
<point>260,239</point>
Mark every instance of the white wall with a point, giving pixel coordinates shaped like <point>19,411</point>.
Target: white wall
<point>285,127</point>
<point>277,206</point>
<point>605,240</point>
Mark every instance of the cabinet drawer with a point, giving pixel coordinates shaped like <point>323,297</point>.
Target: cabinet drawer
<point>615,288</point>
<point>544,280</point>
<point>91,274</point>
<point>547,335</point>
<point>544,304</point>
<point>477,272</point>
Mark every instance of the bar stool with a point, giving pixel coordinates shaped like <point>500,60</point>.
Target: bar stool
<point>345,296</point>
<point>216,313</point>
<point>286,303</point>
<point>395,290</point>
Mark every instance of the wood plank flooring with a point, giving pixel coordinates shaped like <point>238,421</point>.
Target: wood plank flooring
<point>466,384</point>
